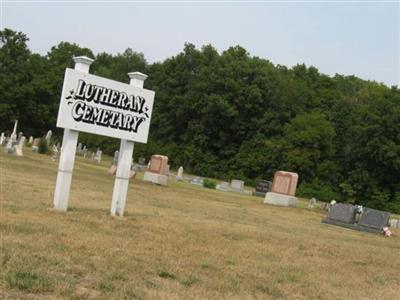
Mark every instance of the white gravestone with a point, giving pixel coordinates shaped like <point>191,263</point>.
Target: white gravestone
<point>79,148</point>
<point>223,186</point>
<point>13,136</point>
<point>2,138</point>
<point>30,141</point>
<point>179,176</point>
<point>237,186</point>
<point>19,148</point>
<point>97,156</point>
<point>197,181</point>
<point>48,137</point>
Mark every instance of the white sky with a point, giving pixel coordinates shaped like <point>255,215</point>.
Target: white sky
<point>360,38</point>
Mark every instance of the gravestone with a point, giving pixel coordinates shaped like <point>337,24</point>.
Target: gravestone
<point>20,134</point>
<point>374,219</point>
<point>156,170</point>
<point>347,215</point>
<point>394,223</point>
<point>10,146</point>
<point>48,137</point>
<point>18,149</point>
<point>283,189</point>
<point>2,138</point>
<point>13,136</point>
<point>30,141</point>
<point>237,186</point>
<point>262,188</point>
<point>166,171</point>
<point>179,176</point>
<point>142,161</point>
<point>197,181</point>
<point>312,202</point>
<point>97,156</point>
<point>35,145</point>
<point>343,213</point>
<point>223,186</point>
<point>79,148</point>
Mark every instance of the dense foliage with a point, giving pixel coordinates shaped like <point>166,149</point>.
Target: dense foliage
<point>229,115</point>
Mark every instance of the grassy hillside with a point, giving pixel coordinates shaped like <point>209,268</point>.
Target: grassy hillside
<point>175,242</point>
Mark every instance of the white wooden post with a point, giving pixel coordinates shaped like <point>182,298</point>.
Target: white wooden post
<point>68,149</point>
<point>124,161</point>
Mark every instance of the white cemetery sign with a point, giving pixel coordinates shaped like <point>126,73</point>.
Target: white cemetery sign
<point>101,106</point>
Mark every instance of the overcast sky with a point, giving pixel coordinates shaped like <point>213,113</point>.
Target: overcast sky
<point>357,38</point>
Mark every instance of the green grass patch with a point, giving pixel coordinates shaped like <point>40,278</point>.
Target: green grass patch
<point>29,281</point>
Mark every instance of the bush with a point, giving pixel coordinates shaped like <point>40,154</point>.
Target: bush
<point>319,191</point>
<point>43,148</point>
<point>209,184</point>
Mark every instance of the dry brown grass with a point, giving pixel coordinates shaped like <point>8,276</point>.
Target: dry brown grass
<point>176,242</point>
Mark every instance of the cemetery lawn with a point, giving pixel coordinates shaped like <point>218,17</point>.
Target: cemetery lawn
<point>175,242</point>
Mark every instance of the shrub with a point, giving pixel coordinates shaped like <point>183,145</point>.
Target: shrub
<point>209,184</point>
<point>43,148</point>
<point>319,191</point>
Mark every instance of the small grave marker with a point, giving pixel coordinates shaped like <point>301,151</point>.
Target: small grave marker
<point>262,188</point>
<point>197,181</point>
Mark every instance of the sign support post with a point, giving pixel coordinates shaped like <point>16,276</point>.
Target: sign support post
<point>124,160</point>
<point>68,149</point>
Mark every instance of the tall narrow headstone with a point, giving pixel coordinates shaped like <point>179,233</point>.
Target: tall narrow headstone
<point>19,147</point>
<point>97,156</point>
<point>48,137</point>
<point>13,136</point>
<point>2,138</point>
<point>179,176</point>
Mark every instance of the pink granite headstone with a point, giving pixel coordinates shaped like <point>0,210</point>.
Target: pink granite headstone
<point>285,183</point>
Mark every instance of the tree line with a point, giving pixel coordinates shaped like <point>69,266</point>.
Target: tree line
<point>231,115</point>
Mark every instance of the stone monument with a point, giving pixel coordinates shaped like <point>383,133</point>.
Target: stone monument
<point>283,189</point>
<point>156,173</point>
